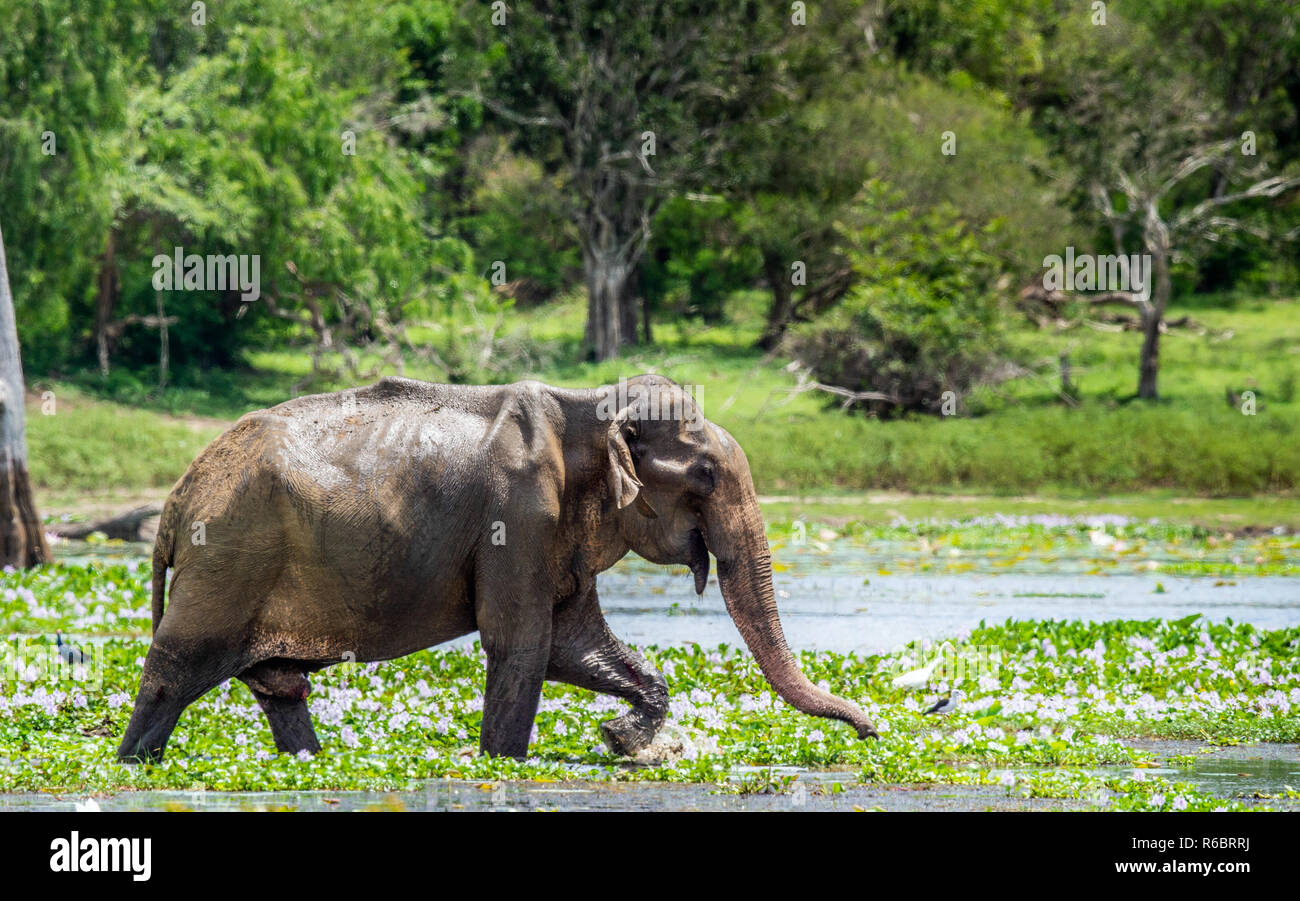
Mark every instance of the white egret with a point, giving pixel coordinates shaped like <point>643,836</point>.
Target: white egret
<point>919,678</point>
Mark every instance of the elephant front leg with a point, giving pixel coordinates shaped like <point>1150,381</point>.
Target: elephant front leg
<point>585,653</point>
<point>514,621</point>
<point>514,689</point>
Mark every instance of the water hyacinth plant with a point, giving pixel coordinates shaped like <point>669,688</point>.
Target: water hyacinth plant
<point>1088,545</point>
<point>1048,719</point>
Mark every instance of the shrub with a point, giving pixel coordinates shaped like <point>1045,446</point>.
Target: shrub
<point>922,319</point>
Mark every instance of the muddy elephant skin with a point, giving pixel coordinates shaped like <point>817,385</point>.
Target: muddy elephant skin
<point>367,524</point>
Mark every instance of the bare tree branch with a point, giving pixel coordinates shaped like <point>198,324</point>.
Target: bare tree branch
<point>1269,187</point>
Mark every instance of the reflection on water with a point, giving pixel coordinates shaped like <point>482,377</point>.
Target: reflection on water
<point>1228,777</point>
<point>855,599</point>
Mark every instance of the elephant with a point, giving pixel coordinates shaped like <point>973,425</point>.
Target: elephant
<point>370,523</point>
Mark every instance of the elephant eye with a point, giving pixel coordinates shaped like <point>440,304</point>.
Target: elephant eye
<point>702,478</point>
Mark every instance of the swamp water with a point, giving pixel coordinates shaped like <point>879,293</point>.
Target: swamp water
<point>1235,772</point>
<point>867,600</point>
<point>844,598</point>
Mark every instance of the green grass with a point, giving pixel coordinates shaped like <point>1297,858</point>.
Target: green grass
<point>1016,439</point>
<point>95,446</point>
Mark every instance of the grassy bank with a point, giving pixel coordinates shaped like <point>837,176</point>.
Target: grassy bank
<point>1018,438</point>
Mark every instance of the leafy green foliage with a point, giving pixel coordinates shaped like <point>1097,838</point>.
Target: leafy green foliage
<point>234,138</point>
<point>694,264</point>
<point>922,320</point>
<point>228,138</point>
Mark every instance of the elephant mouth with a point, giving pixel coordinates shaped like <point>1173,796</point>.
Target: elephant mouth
<point>697,558</point>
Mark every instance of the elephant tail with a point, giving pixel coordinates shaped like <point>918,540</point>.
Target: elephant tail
<point>164,552</point>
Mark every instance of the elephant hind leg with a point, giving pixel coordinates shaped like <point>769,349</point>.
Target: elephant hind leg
<point>281,689</point>
<point>169,683</point>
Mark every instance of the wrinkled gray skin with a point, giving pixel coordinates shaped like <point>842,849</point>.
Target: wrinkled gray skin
<point>371,523</point>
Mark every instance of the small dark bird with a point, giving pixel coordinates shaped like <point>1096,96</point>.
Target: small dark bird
<point>67,652</point>
<point>943,705</point>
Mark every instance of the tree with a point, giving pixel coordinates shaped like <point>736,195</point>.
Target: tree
<point>801,179</point>
<point>22,543</point>
<point>934,143</point>
<point>628,107</point>
<point>64,93</point>
<point>127,131</point>
<point>997,42</point>
<point>1248,55</point>
<point>1160,172</point>
<point>919,327</point>
<point>1164,235</point>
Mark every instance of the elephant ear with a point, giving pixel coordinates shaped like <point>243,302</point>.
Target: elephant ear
<point>624,486</point>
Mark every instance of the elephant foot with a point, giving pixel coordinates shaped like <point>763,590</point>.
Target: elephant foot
<point>290,724</point>
<point>628,734</point>
<point>137,755</point>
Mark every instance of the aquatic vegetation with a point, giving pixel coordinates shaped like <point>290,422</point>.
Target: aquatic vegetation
<point>1041,542</point>
<point>1044,708</point>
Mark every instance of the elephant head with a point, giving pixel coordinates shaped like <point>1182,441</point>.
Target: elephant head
<point>682,489</point>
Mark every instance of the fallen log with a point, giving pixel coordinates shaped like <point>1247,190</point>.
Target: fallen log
<point>1048,309</point>
<point>125,526</point>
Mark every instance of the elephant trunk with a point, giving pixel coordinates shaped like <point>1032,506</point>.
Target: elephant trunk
<point>745,576</point>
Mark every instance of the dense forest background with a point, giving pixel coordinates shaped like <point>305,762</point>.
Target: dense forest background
<point>856,196</point>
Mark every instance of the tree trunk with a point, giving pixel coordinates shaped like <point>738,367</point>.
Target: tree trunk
<point>22,542</point>
<point>778,314</point>
<point>613,229</point>
<point>647,336</point>
<point>106,301</point>
<point>1153,317</point>
<point>611,311</point>
<point>1149,366</point>
<point>164,343</point>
